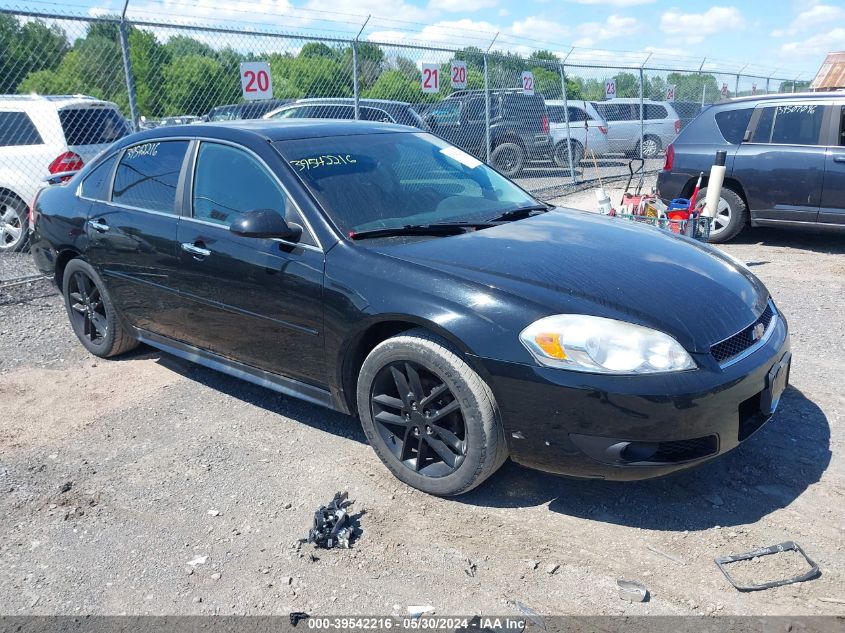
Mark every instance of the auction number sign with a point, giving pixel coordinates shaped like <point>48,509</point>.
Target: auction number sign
<point>256,82</point>
<point>724,90</point>
<point>528,83</point>
<point>610,89</point>
<point>459,75</point>
<point>670,92</point>
<point>430,78</point>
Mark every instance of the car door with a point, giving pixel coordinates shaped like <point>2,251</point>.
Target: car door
<point>253,300</point>
<point>621,133</point>
<point>832,207</point>
<point>781,164</point>
<point>131,231</point>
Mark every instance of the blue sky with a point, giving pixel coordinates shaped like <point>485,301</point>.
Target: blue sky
<point>788,35</point>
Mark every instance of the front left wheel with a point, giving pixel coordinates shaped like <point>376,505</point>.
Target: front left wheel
<point>428,415</point>
<point>91,312</point>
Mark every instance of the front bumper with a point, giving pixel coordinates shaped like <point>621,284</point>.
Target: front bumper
<point>629,428</point>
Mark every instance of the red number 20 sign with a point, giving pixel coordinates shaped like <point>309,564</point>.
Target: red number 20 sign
<point>255,81</point>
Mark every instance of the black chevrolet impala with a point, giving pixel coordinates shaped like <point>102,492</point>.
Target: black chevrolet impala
<point>379,271</point>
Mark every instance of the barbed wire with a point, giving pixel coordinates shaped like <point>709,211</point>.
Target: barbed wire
<point>396,31</point>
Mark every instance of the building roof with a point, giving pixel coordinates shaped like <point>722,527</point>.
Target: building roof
<point>831,75</point>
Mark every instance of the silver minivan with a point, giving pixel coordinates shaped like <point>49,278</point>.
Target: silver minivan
<point>587,131</point>
<point>660,127</point>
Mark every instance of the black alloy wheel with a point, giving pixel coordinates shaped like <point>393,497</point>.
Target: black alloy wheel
<point>419,419</point>
<point>88,311</point>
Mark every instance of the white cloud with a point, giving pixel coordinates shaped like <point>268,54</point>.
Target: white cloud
<point>539,28</point>
<point>815,16</point>
<point>613,3</point>
<point>816,46</point>
<point>615,27</point>
<point>461,6</point>
<point>695,27</point>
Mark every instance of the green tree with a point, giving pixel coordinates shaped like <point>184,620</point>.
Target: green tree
<point>547,83</point>
<point>318,49</point>
<point>393,84</point>
<point>182,46</point>
<point>193,84</point>
<point>149,59</point>
<point>627,85</point>
<point>694,86</point>
<point>309,77</point>
<point>28,49</point>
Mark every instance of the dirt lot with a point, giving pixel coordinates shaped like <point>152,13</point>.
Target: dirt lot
<point>115,474</point>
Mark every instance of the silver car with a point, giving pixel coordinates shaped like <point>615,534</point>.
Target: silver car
<point>587,131</point>
<point>660,127</point>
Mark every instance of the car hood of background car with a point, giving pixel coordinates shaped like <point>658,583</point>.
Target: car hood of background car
<point>567,261</point>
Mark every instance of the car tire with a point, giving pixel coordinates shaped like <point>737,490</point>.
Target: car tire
<point>731,216</point>
<point>14,223</point>
<point>651,147</point>
<point>561,155</point>
<point>400,428</point>
<point>91,312</point>
<point>508,159</point>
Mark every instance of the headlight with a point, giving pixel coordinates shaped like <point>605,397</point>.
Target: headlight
<point>594,344</point>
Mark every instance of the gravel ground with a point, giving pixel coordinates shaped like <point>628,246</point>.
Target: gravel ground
<point>146,485</point>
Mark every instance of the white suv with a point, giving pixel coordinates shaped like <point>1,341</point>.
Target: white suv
<point>662,124</point>
<point>44,136</point>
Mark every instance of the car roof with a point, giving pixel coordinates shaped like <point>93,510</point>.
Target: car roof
<point>630,100</point>
<point>51,101</point>
<point>787,95</point>
<point>272,129</point>
<point>346,100</point>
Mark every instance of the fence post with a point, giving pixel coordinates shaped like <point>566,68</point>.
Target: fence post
<point>127,69</point>
<point>566,118</point>
<point>486,109</point>
<point>355,88</point>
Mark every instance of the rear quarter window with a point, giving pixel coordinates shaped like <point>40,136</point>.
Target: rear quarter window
<point>654,111</point>
<point>96,184</point>
<point>17,129</point>
<point>733,123</point>
<point>92,126</point>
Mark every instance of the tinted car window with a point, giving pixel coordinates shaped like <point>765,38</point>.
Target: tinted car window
<point>842,127</point>
<point>331,112</point>
<point>373,114</point>
<point>447,111</point>
<point>616,111</point>
<point>96,184</point>
<point>388,180</point>
<point>797,124</point>
<point>733,123</point>
<point>92,126</point>
<point>229,181</point>
<point>16,128</point>
<point>763,131</point>
<point>654,111</point>
<point>147,175</point>
<point>475,109</point>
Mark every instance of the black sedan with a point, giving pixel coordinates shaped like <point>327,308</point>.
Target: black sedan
<point>379,271</point>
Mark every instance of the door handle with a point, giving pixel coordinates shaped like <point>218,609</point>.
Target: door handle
<point>196,251</point>
<point>98,225</point>
<point>839,158</point>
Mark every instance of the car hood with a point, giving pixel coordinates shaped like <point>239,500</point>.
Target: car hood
<point>568,261</point>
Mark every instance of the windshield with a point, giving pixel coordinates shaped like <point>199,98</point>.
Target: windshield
<point>376,181</point>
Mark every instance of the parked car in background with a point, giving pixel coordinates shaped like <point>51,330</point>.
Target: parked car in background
<point>688,110</point>
<point>587,131</point>
<point>42,136</point>
<point>380,271</point>
<point>661,125</point>
<point>248,110</point>
<point>519,126</point>
<point>183,119</point>
<point>344,108</point>
<point>785,161</point>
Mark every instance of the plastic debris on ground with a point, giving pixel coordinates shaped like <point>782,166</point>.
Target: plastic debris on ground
<point>812,569</point>
<point>333,526</point>
<point>632,591</point>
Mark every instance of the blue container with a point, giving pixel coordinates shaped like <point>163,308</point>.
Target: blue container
<point>679,204</point>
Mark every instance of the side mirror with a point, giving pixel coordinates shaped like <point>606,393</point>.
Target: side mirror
<point>265,223</point>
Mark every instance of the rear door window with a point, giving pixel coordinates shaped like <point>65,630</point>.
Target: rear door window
<point>617,111</point>
<point>148,174</point>
<point>97,184</point>
<point>16,128</point>
<point>794,124</point>
<point>92,126</point>
<point>654,111</point>
<point>577,115</point>
<point>733,123</point>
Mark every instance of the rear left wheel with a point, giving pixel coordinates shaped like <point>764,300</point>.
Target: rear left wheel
<point>91,312</point>
<point>429,417</point>
<point>508,159</point>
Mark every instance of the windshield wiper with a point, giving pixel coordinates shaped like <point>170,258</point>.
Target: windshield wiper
<point>521,212</point>
<point>439,228</point>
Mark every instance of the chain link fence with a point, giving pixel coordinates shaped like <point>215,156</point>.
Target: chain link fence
<point>69,86</point>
